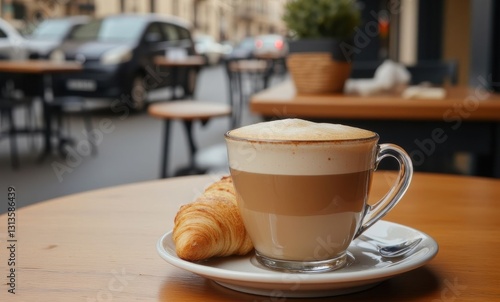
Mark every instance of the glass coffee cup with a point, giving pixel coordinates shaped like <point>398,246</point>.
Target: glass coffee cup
<point>302,189</point>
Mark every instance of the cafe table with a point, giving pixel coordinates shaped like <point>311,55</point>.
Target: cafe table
<point>186,111</point>
<point>101,245</point>
<point>42,70</point>
<point>190,63</point>
<point>467,119</point>
<point>255,73</point>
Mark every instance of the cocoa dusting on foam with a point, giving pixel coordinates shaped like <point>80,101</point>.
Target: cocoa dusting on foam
<point>297,129</point>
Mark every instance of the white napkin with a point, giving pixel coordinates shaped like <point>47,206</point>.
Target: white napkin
<point>389,77</point>
<point>424,92</point>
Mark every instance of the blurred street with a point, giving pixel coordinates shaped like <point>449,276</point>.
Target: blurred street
<point>129,152</point>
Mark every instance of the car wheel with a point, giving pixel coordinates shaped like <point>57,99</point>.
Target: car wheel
<point>138,93</point>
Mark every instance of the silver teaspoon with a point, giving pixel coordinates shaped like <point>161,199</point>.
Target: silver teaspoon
<point>393,250</point>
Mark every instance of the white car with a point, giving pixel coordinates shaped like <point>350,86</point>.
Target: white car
<point>12,44</point>
<point>210,49</point>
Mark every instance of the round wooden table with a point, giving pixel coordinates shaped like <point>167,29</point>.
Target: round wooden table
<point>43,70</point>
<point>186,111</point>
<point>101,245</point>
<point>191,64</point>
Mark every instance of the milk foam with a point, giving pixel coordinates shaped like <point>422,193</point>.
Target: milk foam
<point>297,129</point>
<point>313,149</point>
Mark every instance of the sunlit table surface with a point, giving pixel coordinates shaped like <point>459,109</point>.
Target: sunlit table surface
<point>466,103</point>
<point>101,245</point>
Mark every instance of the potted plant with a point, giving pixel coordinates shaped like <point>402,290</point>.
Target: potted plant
<point>317,62</point>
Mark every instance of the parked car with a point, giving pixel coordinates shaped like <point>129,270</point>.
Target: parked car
<point>50,33</point>
<point>227,47</point>
<point>243,50</point>
<point>210,49</point>
<point>117,53</point>
<point>12,44</point>
<point>270,45</point>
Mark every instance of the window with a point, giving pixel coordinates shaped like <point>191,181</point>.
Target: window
<point>170,32</point>
<point>153,33</point>
<point>111,29</point>
<point>184,33</point>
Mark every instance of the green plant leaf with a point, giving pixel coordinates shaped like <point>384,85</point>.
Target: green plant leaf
<point>314,19</point>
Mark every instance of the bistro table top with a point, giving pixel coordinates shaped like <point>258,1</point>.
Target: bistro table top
<point>471,103</point>
<point>39,66</point>
<point>188,110</point>
<point>100,245</point>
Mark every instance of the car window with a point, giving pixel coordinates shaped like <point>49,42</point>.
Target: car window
<point>75,27</point>
<point>87,32</point>
<point>184,33</point>
<point>51,29</point>
<point>247,43</point>
<point>154,33</point>
<point>110,29</point>
<point>2,34</point>
<point>170,31</point>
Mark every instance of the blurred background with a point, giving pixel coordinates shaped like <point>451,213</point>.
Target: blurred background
<point>406,31</point>
<point>425,30</point>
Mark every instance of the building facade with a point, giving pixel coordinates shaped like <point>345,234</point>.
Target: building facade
<point>223,19</point>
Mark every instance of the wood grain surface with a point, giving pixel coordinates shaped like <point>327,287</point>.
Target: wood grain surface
<point>39,66</point>
<point>471,103</point>
<point>188,110</point>
<point>100,245</point>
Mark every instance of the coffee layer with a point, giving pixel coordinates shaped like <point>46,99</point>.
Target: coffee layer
<point>301,238</point>
<point>301,130</point>
<point>302,157</point>
<point>304,195</point>
<point>301,217</point>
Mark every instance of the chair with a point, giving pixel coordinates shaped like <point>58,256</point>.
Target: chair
<point>63,106</point>
<point>8,104</point>
<point>245,78</point>
<point>55,109</point>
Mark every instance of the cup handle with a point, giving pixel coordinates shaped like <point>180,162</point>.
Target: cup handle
<point>373,213</point>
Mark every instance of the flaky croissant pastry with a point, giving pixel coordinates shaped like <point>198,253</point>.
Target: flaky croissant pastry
<point>211,226</point>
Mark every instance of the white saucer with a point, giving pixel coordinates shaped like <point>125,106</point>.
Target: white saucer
<point>243,273</point>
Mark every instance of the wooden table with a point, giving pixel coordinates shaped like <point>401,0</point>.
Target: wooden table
<point>43,71</point>
<point>189,62</point>
<point>467,120</point>
<point>100,245</point>
<point>39,66</point>
<point>187,112</point>
<point>246,76</point>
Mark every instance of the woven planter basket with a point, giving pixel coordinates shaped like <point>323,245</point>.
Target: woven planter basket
<point>317,72</point>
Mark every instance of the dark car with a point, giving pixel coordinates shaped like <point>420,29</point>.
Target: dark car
<point>50,33</point>
<point>117,53</point>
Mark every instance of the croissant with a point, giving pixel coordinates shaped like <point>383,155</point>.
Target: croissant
<point>211,226</point>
